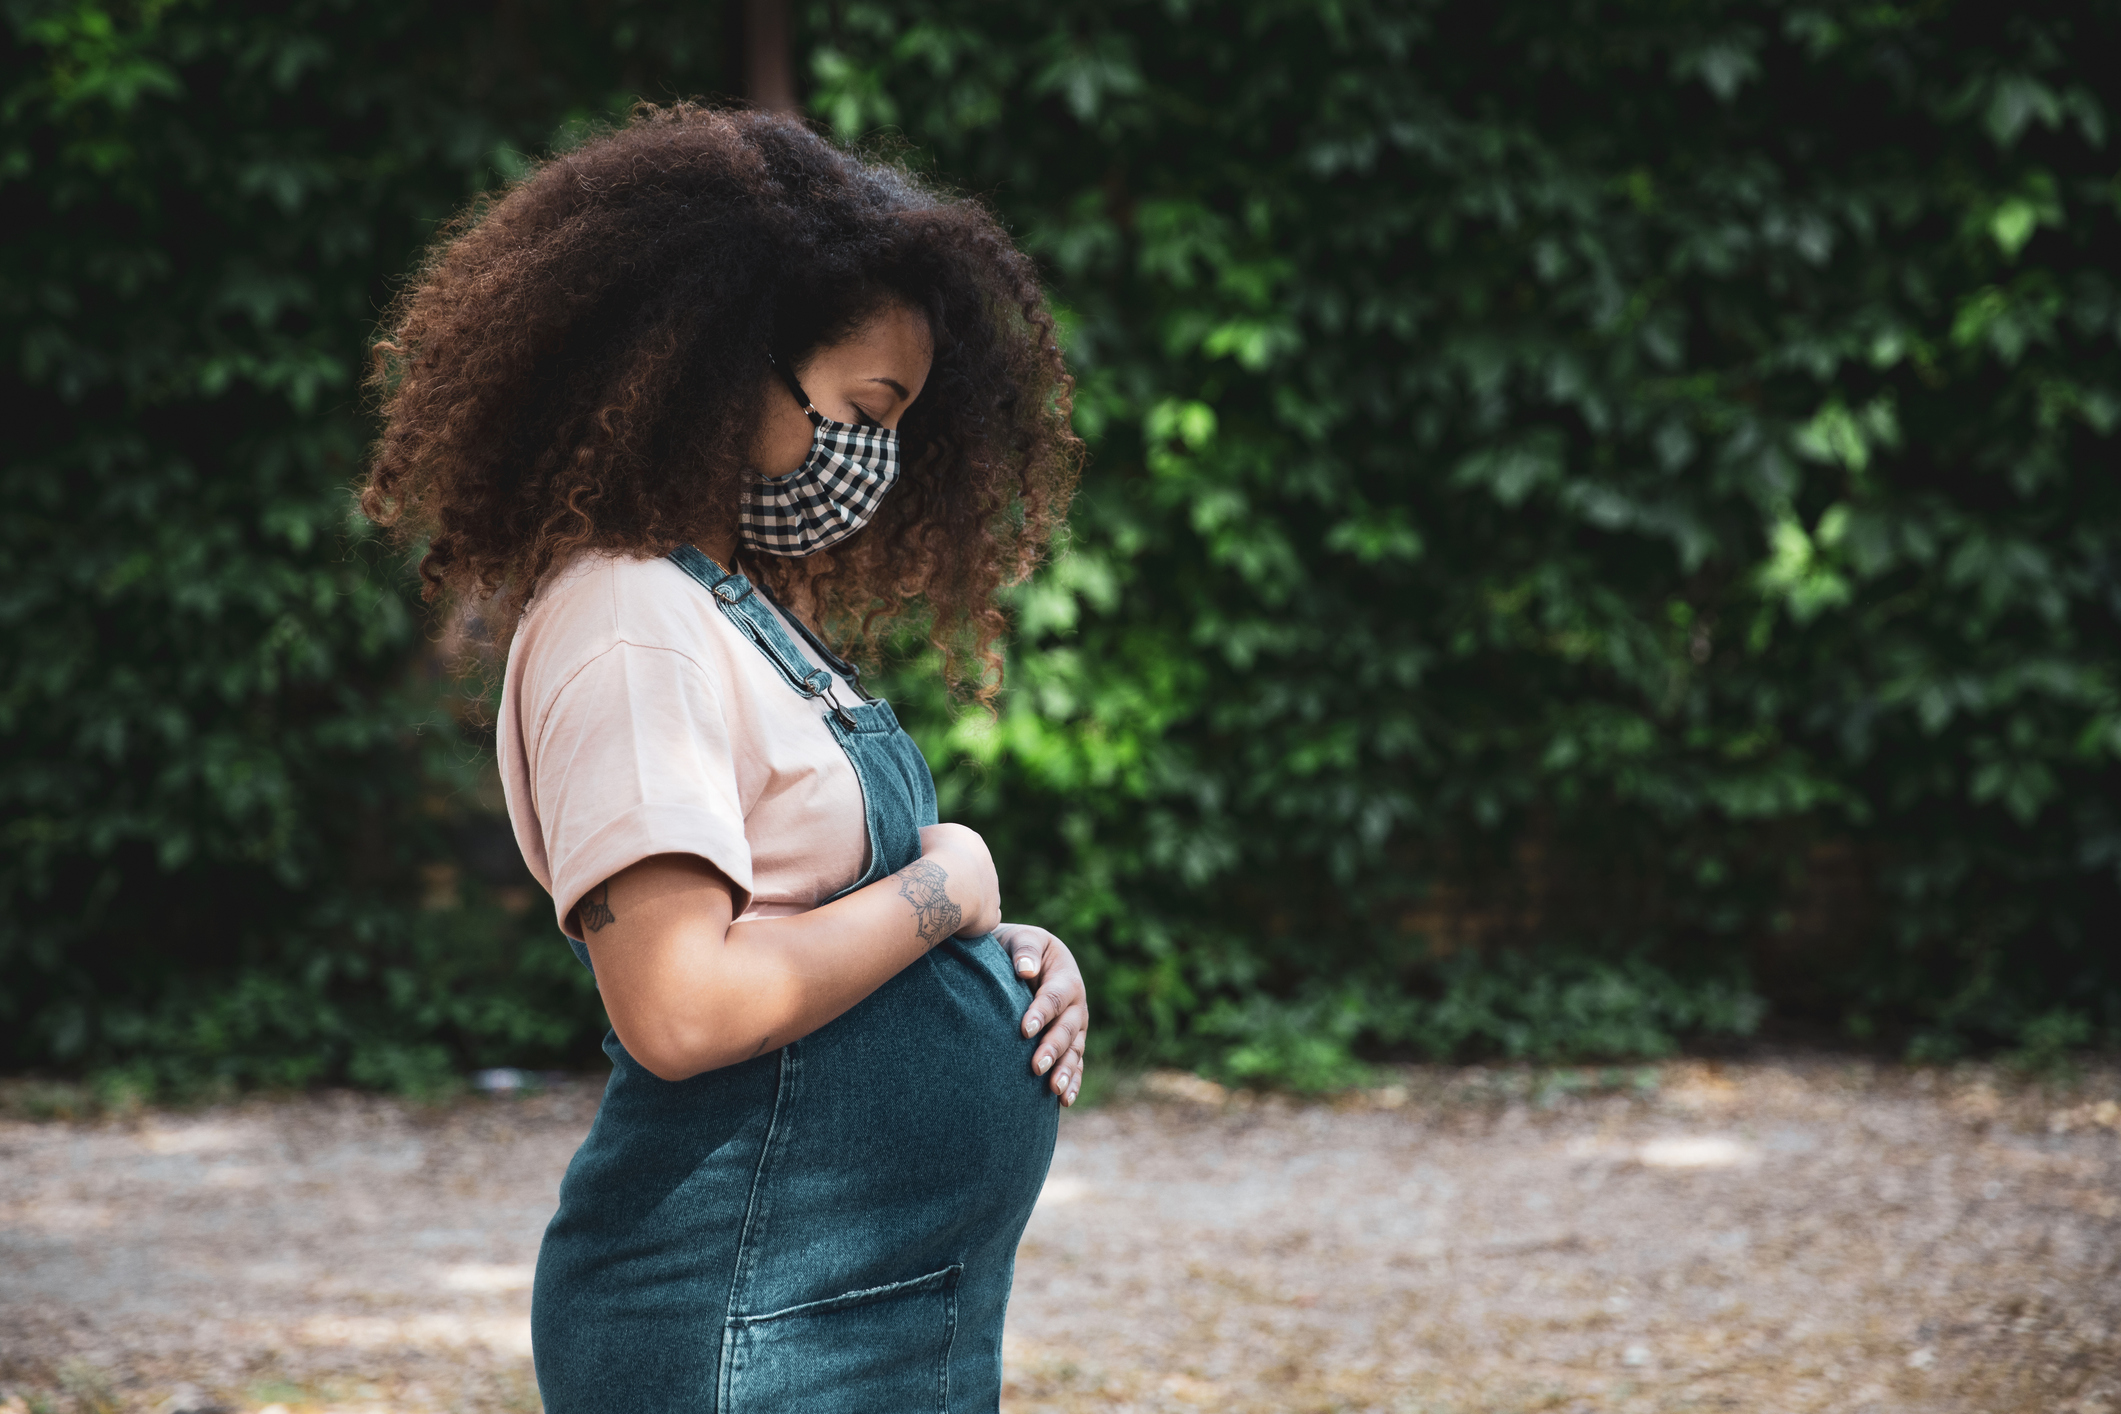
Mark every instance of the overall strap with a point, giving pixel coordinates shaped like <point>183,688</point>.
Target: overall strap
<point>742,604</point>
<point>848,672</point>
<point>898,793</point>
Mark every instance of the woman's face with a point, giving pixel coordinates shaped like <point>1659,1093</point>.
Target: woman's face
<point>872,375</point>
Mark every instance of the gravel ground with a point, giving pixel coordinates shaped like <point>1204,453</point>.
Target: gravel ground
<point>1797,1235</point>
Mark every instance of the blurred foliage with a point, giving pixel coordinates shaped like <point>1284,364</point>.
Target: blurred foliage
<point>1600,514</point>
<point>1599,511</point>
<point>227,750</point>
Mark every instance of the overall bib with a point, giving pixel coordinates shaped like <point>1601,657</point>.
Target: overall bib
<point>831,1227</point>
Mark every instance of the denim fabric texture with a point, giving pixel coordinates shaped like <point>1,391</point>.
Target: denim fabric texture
<point>830,1227</point>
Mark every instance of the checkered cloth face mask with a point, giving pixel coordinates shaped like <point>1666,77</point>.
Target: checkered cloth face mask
<point>830,496</point>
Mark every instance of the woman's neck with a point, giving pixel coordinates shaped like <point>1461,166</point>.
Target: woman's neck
<point>718,546</point>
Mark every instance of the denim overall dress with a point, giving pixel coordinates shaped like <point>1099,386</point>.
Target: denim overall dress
<point>831,1227</point>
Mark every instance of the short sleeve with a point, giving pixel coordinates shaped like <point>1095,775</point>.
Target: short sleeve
<point>633,758</point>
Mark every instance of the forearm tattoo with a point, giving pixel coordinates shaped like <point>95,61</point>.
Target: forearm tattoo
<point>596,908</point>
<point>934,915</point>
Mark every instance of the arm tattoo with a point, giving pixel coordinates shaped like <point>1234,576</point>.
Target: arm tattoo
<point>596,908</point>
<point>935,917</point>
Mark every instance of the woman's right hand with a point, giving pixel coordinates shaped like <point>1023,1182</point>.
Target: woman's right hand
<point>952,886</point>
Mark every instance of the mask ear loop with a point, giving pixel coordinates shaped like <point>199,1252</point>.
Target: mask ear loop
<point>817,419</point>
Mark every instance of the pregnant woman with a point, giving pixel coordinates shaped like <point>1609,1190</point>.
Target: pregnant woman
<point>672,413</point>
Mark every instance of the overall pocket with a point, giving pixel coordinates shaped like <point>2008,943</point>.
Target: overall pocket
<point>885,1350</point>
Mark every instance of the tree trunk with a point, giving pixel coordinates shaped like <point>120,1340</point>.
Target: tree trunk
<point>769,74</point>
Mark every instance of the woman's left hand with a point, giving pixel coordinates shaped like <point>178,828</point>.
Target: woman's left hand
<point>1061,1009</point>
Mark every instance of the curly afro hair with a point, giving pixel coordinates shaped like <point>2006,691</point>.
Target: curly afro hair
<point>582,360</point>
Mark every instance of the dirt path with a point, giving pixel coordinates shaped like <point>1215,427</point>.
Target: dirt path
<point>1790,1236</point>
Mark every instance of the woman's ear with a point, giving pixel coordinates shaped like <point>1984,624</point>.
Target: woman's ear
<point>783,436</point>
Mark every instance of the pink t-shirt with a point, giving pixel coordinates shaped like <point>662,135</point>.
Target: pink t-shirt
<point>636,719</point>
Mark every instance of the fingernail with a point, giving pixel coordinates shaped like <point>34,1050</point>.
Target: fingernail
<point>1031,1022</point>
<point>1063,1078</point>
<point>1045,1063</point>
<point>1026,965</point>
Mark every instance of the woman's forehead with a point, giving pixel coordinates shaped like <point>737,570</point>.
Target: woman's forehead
<point>892,347</point>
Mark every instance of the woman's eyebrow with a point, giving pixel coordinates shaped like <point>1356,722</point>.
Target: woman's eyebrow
<point>892,383</point>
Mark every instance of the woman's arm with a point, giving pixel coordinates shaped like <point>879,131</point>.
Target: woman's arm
<point>690,991</point>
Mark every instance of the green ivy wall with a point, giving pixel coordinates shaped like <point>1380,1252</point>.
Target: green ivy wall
<point>1603,522</point>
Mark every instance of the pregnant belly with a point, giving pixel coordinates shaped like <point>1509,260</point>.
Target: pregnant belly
<point>827,1228</point>
<point>910,1135</point>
